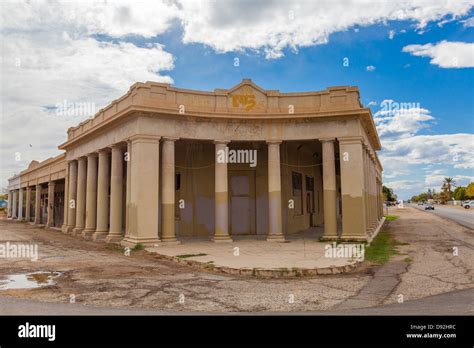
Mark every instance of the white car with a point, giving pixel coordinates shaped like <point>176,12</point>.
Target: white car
<point>468,205</point>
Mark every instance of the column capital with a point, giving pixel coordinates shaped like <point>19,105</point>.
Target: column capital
<point>278,142</point>
<point>221,142</point>
<point>169,138</point>
<point>91,154</point>
<point>51,183</point>
<point>351,140</point>
<point>326,140</point>
<point>116,146</point>
<point>105,149</point>
<point>144,138</point>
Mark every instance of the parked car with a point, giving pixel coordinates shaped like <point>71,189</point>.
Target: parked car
<point>468,205</point>
<point>420,203</point>
<point>429,206</point>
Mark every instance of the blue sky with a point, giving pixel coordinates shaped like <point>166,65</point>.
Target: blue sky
<point>422,54</point>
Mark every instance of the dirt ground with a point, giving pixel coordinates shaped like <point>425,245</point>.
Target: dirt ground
<point>97,274</point>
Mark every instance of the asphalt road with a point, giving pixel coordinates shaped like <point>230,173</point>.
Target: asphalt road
<point>458,302</point>
<point>463,217</point>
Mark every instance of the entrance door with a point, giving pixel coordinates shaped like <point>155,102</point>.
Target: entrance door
<point>310,199</point>
<point>242,202</point>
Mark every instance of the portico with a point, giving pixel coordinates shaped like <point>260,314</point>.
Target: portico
<point>146,169</point>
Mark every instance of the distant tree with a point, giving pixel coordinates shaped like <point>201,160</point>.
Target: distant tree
<point>448,183</point>
<point>459,193</point>
<point>470,191</point>
<point>388,194</point>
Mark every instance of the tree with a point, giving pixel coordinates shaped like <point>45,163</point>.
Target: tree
<point>448,183</point>
<point>388,194</point>
<point>470,191</point>
<point>459,193</point>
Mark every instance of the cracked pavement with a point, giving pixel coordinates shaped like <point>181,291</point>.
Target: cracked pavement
<point>102,276</point>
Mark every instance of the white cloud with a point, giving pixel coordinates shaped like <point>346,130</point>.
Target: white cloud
<point>50,57</point>
<point>404,150</point>
<point>370,68</point>
<point>395,120</point>
<point>445,54</point>
<point>272,26</point>
<point>391,34</point>
<point>468,23</point>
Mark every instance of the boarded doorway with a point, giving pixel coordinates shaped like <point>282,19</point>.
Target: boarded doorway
<point>242,202</point>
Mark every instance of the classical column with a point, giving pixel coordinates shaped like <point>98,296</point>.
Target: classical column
<point>102,227</point>
<point>116,194</point>
<point>28,204</point>
<point>144,191</point>
<point>10,203</point>
<point>329,189</point>
<point>91,196</point>
<point>275,231</point>
<point>351,153</point>
<point>366,184</point>
<point>221,197</point>
<point>50,220</point>
<point>14,206</point>
<point>72,196</point>
<point>81,195</point>
<point>168,191</point>
<point>20,204</point>
<point>38,205</point>
<point>65,200</point>
<point>128,185</point>
<point>372,190</point>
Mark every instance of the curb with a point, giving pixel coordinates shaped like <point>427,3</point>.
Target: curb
<point>260,272</point>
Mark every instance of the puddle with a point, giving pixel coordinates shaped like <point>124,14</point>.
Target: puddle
<point>29,280</point>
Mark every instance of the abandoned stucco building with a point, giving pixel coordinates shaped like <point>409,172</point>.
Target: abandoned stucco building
<point>145,169</point>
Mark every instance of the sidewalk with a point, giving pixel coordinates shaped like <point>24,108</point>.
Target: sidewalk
<point>301,255</point>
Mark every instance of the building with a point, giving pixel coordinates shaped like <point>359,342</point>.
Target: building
<point>161,163</point>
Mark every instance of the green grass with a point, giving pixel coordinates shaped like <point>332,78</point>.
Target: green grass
<point>138,247</point>
<point>185,256</point>
<point>391,217</point>
<point>408,259</point>
<point>381,248</point>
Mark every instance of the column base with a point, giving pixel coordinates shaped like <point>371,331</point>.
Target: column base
<point>132,241</point>
<point>329,238</point>
<point>170,241</point>
<point>77,231</point>
<point>222,239</point>
<point>69,229</point>
<point>99,235</point>
<point>355,238</point>
<point>114,238</point>
<point>87,233</point>
<point>279,238</point>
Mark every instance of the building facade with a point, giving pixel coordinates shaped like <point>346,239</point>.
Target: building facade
<point>162,163</point>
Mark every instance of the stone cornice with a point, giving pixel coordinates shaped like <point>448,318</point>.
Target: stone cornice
<point>244,101</point>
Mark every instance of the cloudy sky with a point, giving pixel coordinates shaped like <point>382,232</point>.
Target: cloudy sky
<point>412,60</point>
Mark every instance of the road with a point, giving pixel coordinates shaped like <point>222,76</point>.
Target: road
<point>457,302</point>
<point>462,216</point>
